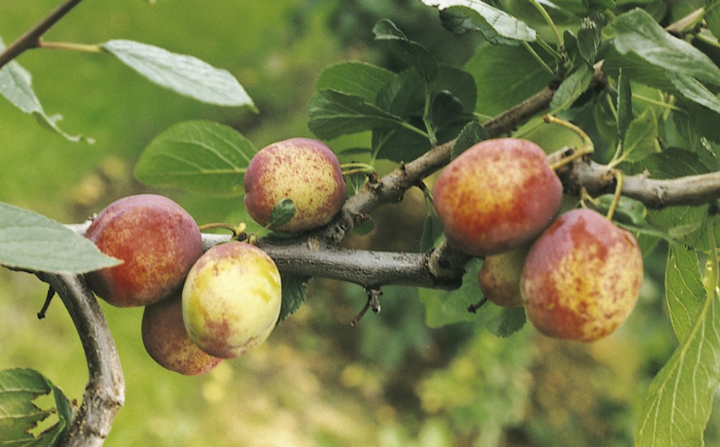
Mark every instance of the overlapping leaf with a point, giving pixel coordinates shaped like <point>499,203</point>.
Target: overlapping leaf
<point>198,156</point>
<point>16,87</point>
<point>487,17</point>
<point>34,242</point>
<point>19,415</point>
<point>679,400</point>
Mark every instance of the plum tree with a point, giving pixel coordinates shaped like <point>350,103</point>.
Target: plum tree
<point>582,277</point>
<point>166,340</point>
<point>231,299</point>
<point>642,82</point>
<point>303,170</point>
<point>496,196</point>
<point>158,242</point>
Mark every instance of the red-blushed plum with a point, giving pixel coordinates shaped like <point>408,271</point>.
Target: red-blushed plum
<point>302,169</point>
<point>497,195</point>
<point>167,342</point>
<point>158,242</point>
<point>582,277</point>
<point>231,299</point>
<point>499,277</point>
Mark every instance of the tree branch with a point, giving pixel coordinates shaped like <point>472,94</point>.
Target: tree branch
<point>105,391</point>
<point>31,39</point>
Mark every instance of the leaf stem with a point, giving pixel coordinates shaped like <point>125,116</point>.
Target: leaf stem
<point>619,178</point>
<point>538,58</point>
<point>549,21</point>
<point>31,39</point>
<point>588,145</point>
<point>87,48</point>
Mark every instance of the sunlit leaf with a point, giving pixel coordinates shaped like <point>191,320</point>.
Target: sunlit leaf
<point>693,90</point>
<point>197,156</point>
<point>16,87</point>
<point>501,22</point>
<point>683,288</point>
<point>183,74</point>
<point>34,242</point>
<point>637,32</point>
<point>679,400</point>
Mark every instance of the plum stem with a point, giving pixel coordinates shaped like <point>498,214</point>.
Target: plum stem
<point>619,178</point>
<point>588,146</point>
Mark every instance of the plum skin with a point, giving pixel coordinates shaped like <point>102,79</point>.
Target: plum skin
<point>301,169</point>
<point>582,277</point>
<point>496,196</point>
<point>499,277</point>
<point>231,299</point>
<point>167,342</point>
<point>158,242</point>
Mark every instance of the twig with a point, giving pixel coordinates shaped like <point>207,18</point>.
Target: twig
<point>105,391</point>
<point>31,39</point>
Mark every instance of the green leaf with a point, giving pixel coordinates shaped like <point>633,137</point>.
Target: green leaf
<point>638,33</point>
<point>571,89</point>
<point>628,211</point>
<point>448,307</point>
<point>624,105</point>
<point>693,90</point>
<point>294,293</point>
<point>282,212</point>
<point>186,75</point>
<point>679,400</point>
<point>471,134</point>
<point>513,68</point>
<point>410,52</point>
<point>588,39</point>
<point>501,22</point>
<point>712,16</point>
<point>30,241</point>
<point>355,78</point>
<point>332,114</point>
<point>641,138</point>
<point>507,322</point>
<point>459,21</point>
<point>683,288</point>
<point>16,87</point>
<point>19,415</point>
<point>198,156</point>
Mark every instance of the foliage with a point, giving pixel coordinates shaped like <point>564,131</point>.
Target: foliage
<point>642,83</point>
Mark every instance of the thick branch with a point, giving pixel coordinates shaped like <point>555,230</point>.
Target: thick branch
<point>105,392</point>
<point>31,39</point>
<point>598,179</point>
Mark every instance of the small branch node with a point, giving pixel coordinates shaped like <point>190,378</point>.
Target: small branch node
<point>473,308</point>
<point>373,302</point>
<point>46,304</point>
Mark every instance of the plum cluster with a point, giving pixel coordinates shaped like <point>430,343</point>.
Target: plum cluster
<point>201,307</point>
<point>577,274</point>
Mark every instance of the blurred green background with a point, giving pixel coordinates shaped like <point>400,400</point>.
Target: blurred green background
<point>390,381</point>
